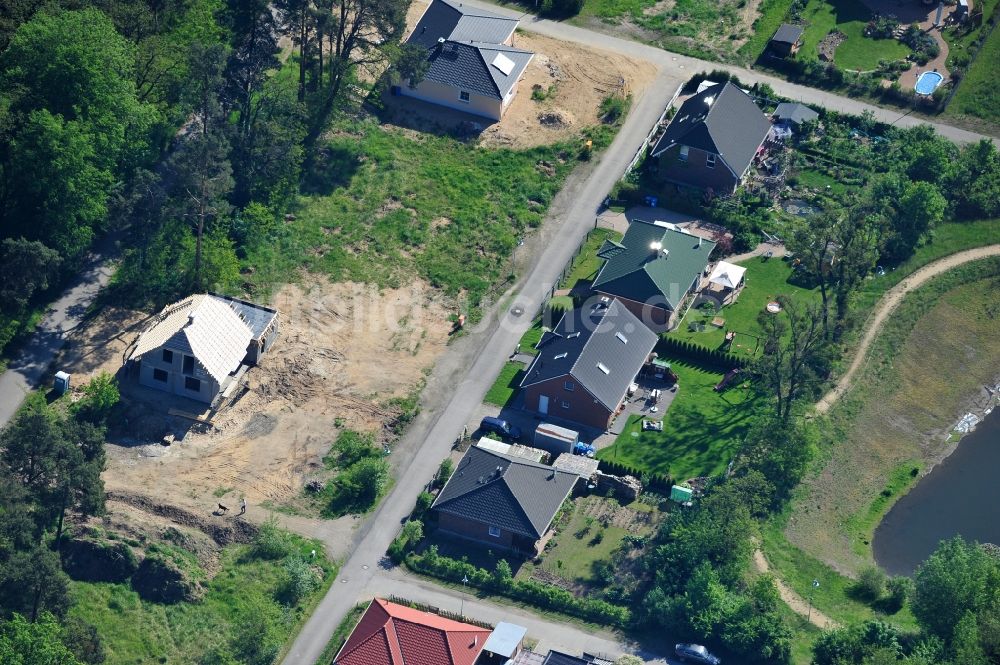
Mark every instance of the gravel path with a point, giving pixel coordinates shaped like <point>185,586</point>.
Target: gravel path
<point>888,304</point>
<point>798,604</point>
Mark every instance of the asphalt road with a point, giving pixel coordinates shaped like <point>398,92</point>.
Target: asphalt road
<point>683,67</point>
<point>479,358</point>
<point>467,372</point>
<point>31,362</point>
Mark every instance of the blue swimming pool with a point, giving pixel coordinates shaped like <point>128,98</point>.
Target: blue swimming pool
<point>928,83</point>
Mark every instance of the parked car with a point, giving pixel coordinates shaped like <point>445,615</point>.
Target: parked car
<point>696,653</point>
<point>582,448</point>
<point>499,426</point>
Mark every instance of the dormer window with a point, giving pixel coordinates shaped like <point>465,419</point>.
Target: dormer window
<point>684,153</point>
<point>710,161</point>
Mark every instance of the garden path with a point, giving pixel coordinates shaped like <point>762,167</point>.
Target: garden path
<point>888,304</point>
<point>797,603</point>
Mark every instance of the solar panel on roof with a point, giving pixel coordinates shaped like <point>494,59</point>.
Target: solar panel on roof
<point>504,64</point>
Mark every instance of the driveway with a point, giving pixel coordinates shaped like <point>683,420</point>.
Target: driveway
<point>30,364</point>
<point>460,381</point>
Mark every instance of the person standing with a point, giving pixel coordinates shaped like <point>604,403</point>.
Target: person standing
<point>243,506</point>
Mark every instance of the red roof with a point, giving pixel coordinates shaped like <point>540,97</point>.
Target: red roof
<point>391,634</point>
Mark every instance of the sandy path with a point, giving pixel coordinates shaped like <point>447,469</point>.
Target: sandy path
<point>888,304</point>
<point>798,604</point>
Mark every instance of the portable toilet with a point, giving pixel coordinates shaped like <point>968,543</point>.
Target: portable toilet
<point>61,384</point>
<point>681,494</point>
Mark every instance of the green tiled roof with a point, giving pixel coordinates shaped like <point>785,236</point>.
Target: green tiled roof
<point>639,274</point>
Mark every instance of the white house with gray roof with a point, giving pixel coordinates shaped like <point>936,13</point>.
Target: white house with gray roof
<point>195,348</point>
<point>473,65</point>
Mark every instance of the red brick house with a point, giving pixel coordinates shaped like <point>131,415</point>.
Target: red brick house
<point>504,502</point>
<point>586,364</point>
<point>712,140</point>
<point>391,634</point>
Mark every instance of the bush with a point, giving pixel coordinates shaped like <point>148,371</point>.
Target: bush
<point>100,396</point>
<point>561,8</point>
<point>271,542</point>
<point>899,589</point>
<point>871,583</point>
<point>444,471</point>
<point>351,447</point>
<point>300,580</point>
<point>408,538</point>
<point>613,108</point>
<point>424,501</point>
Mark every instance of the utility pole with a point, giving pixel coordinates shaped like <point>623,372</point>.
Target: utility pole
<point>465,581</point>
<point>815,585</point>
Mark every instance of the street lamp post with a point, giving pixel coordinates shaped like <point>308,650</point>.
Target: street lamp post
<point>465,581</point>
<point>815,585</point>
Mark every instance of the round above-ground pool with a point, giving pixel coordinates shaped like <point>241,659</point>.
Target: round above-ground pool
<point>928,83</point>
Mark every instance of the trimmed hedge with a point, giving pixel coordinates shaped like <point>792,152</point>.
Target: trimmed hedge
<point>698,353</point>
<point>535,593</point>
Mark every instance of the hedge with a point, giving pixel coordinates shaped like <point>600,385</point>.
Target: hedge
<point>696,352</point>
<point>539,594</point>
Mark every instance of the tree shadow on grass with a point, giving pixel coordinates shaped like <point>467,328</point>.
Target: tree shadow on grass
<point>331,168</point>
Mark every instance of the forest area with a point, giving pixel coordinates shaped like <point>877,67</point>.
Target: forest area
<point>156,132</point>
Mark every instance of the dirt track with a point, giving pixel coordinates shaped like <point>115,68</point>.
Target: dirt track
<point>798,604</point>
<point>888,304</point>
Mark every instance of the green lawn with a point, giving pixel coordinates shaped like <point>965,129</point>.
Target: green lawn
<point>816,179</point>
<point>137,631</point>
<point>506,385</point>
<point>386,206</point>
<point>586,264</point>
<point>531,337</point>
<point>850,17</point>
<point>702,429</point>
<point>579,546</point>
<point>765,279</point>
<point>978,93</point>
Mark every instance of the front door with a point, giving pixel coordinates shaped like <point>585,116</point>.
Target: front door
<point>543,404</point>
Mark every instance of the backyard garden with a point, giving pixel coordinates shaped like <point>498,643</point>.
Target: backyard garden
<point>974,53</point>
<point>857,51</point>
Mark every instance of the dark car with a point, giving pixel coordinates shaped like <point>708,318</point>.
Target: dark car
<point>695,653</point>
<point>500,427</point>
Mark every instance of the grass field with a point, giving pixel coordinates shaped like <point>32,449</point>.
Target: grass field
<point>506,385</point>
<point>772,15</point>
<point>978,94</point>
<point>702,429</point>
<point>765,279</point>
<point>137,631</point>
<point>850,17</point>
<point>938,349</point>
<point>586,263</point>
<point>385,206</point>
<point>579,546</point>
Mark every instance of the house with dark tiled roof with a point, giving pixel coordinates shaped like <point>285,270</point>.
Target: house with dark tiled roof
<point>392,634</point>
<point>652,270</point>
<point>473,65</point>
<point>504,502</point>
<point>712,140</point>
<point>786,40</point>
<point>586,364</point>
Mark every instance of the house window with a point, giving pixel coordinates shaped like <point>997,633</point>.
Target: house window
<point>192,384</point>
<point>168,356</point>
<point>570,386</point>
<point>710,161</point>
<point>684,153</point>
<point>189,365</point>
<point>463,96</point>
<point>565,404</point>
<point>495,531</point>
<point>160,375</point>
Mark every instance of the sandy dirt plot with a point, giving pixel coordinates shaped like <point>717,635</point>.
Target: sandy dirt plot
<point>344,351</point>
<point>574,79</point>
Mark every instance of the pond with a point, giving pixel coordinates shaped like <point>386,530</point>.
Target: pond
<point>958,497</point>
<point>800,208</point>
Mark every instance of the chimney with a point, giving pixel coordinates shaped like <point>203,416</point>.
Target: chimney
<point>699,241</point>
<point>655,247</point>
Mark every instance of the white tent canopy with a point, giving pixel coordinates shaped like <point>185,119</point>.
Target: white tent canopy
<point>728,275</point>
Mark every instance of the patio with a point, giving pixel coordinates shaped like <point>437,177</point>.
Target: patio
<point>651,400</point>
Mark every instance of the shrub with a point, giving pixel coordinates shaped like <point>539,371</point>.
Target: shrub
<point>444,471</point>
<point>561,8</point>
<point>871,583</point>
<point>271,542</point>
<point>100,396</point>
<point>359,487</point>
<point>300,580</point>
<point>899,589</point>
<point>424,501</point>
<point>613,108</point>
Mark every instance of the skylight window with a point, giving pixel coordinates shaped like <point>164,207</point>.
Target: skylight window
<point>621,338</point>
<point>561,356</point>
<point>572,335</point>
<point>504,64</point>
<point>603,368</point>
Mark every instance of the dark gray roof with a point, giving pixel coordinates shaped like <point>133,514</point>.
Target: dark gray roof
<point>722,120</point>
<point>787,34</point>
<point>447,20</point>
<point>797,113</point>
<point>559,658</point>
<point>257,317</point>
<point>637,274</point>
<point>602,347</point>
<point>472,40</point>
<point>513,494</point>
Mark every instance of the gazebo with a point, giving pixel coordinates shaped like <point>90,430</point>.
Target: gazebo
<point>727,280</point>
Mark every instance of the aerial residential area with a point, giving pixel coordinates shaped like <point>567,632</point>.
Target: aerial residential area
<point>521,332</point>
